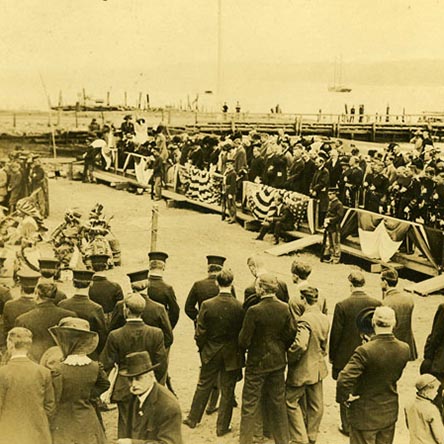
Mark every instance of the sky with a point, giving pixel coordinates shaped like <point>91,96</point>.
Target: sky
<point>171,45</point>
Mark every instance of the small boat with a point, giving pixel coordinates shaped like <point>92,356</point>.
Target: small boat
<point>337,79</point>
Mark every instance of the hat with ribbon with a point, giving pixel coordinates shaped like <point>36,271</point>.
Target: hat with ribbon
<point>74,337</point>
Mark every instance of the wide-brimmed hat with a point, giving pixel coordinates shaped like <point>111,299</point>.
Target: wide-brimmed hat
<point>74,336</point>
<point>137,364</point>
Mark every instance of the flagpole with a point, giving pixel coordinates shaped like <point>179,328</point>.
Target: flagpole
<point>54,148</point>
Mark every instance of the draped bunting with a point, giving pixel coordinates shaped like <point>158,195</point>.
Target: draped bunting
<point>200,185</point>
<point>259,198</point>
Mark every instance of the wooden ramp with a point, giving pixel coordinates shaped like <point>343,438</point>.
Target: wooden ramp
<point>429,286</point>
<point>109,178</point>
<point>295,245</point>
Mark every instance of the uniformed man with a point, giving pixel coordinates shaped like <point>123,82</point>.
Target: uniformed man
<point>160,291</point>
<point>376,184</point>
<point>319,185</point>
<point>335,212</point>
<point>352,177</point>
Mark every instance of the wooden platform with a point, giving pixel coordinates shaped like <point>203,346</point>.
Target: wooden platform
<point>427,287</point>
<point>295,245</point>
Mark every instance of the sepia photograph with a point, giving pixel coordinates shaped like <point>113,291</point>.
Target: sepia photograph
<point>222,221</point>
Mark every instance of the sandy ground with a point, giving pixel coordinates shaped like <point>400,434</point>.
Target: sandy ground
<point>188,236</point>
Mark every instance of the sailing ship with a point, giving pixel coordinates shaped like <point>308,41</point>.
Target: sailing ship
<point>337,79</point>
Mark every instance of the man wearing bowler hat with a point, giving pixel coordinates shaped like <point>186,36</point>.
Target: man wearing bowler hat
<point>160,291</point>
<point>367,384</point>
<point>154,313</point>
<point>50,269</point>
<point>205,288</point>
<point>154,414</point>
<point>26,302</point>
<point>134,336</point>
<point>45,315</point>
<point>81,304</point>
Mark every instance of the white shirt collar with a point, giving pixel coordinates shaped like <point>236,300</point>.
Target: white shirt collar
<point>18,356</point>
<point>142,398</point>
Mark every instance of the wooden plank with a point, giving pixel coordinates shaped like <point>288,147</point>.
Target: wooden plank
<point>429,286</point>
<point>296,245</point>
<point>358,253</point>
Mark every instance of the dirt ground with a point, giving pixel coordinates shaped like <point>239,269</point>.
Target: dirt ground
<point>188,236</point>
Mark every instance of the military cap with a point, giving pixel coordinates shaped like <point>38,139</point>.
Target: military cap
<point>137,276</point>
<point>99,261</point>
<point>28,278</point>
<point>83,276</point>
<point>216,260</point>
<point>48,266</point>
<point>157,256</point>
<point>333,190</point>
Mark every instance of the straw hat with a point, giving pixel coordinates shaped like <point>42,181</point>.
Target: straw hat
<point>74,337</point>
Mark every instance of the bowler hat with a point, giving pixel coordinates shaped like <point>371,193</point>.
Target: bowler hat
<point>157,256</point>
<point>48,266</point>
<point>137,276</point>
<point>73,336</point>
<point>28,279</point>
<point>83,276</point>
<point>137,363</point>
<point>99,261</point>
<point>215,260</point>
<point>364,320</point>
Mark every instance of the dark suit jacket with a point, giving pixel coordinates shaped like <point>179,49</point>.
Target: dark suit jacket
<point>157,421</point>
<point>403,304</point>
<point>372,374</point>
<point>335,172</point>
<point>344,336</point>
<point>135,336</point>
<point>105,293</point>
<point>154,315</point>
<point>218,326</point>
<point>266,334</point>
<point>92,312</point>
<point>5,296</point>
<point>251,298</point>
<point>163,293</point>
<point>319,185</point>
<point>13,309</point>
<point>434,346</point>
<point>38,320</point>
<point>296,179</point>
<point>26,402</point>
<point>201,291</point>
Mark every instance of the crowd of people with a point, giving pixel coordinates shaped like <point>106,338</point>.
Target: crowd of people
<point>404,183</point>
<point>66,360</point>
<point>22,175</point>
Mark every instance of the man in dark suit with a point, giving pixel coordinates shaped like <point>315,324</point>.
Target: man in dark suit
<point>403,305</point>
<point>105,293</point>
<point>295,180</point>
<point>205,288</point>
<point>218,325</point>
<point>160,291</point>
<point>26,302</point>
<point>46,314</point>
<point>154,313</point>
<point>153,413</point>
<point>335,212</point>
<point>367,384</point>
<point>26,394</point>
<point>334,168</point>
<point>345,336</point>
<point>81,304</point>
<point>257,267</point>
<point>135,336</point>
<point>319,185</point>
<point>266,334</point>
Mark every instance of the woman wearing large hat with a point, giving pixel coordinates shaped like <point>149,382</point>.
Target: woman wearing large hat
<point>78,381</point>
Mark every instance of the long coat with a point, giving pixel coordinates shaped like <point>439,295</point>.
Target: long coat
<point>76,420</point>
<point>344,336</point>
<point>163,293</point>
<point>267,333</point>
<point>434,346</point>
<point>372,374</point>
<point>135,336</point>
<point>154,315</point>
<point>13,309</point>
<point>218,326</point>
<point>402,304</point>
<point>38,320</point>
<point>105,293</point>
<point>319,187</point>
<point>158,420</point>
<point>306,358</point>
<point>26,402</point>
<point>92,312</point>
